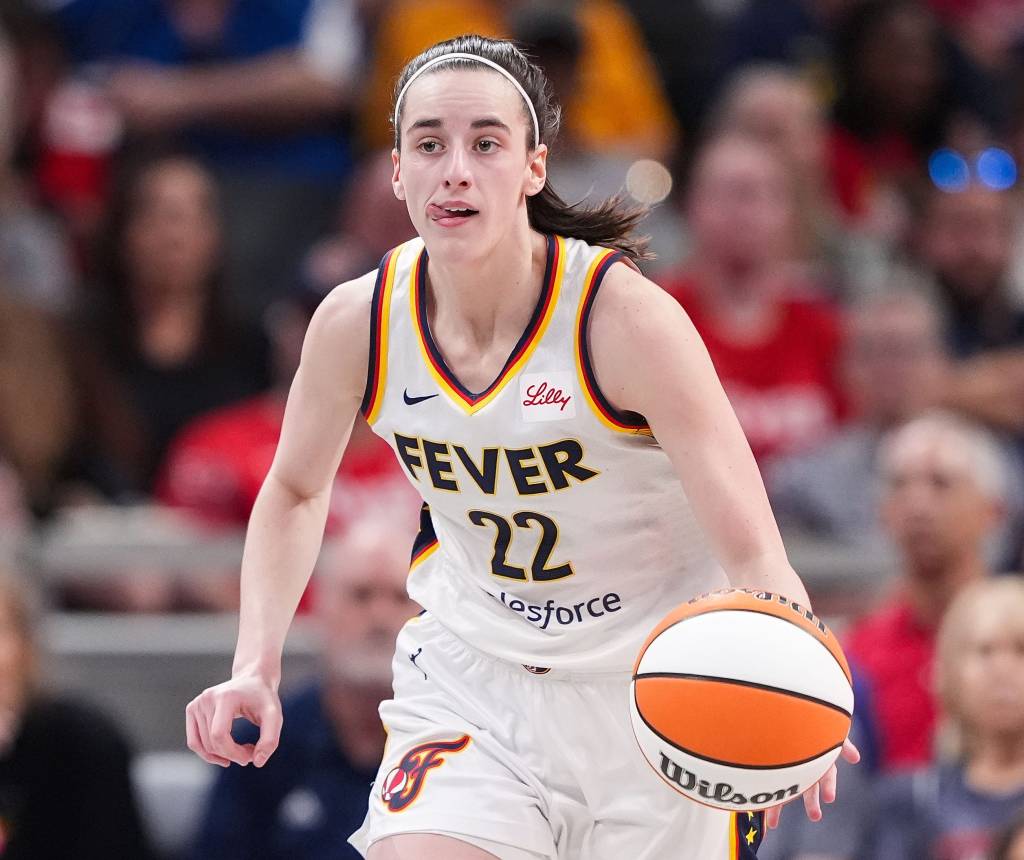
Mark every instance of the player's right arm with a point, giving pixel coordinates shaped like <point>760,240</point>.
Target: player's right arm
<point>286,526</point>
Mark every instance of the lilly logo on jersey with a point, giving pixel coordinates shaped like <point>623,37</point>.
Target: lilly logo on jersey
<point>403,784</point>
<point>547,396</point>
<point>720,792</point>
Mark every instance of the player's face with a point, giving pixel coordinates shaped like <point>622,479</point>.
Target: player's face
<point>932,506</point>
<point>465,168</point>
<point>991,676</point>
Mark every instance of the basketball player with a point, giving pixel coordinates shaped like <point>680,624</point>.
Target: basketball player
<point>582,474</point>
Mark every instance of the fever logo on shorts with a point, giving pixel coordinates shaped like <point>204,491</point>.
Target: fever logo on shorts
<point>402,784</point>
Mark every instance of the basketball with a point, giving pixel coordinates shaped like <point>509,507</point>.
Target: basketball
<point>741,699</point>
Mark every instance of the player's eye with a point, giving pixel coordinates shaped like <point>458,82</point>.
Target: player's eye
<point>428,146</point>
<point>487,145</point>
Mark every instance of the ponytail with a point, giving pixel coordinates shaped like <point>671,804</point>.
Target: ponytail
<point>611,222</point>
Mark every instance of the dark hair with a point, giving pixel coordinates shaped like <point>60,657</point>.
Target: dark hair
<point>853,109</point>
<point>610,222</point>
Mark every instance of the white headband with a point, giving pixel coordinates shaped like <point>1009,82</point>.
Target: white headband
<point>476,59</point>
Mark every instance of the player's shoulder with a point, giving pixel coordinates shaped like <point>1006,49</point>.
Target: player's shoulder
<point>347,307</point>
<point>631,304</point>
<point>337,344</point>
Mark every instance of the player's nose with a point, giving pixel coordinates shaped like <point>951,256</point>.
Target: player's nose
<point>456,169</point>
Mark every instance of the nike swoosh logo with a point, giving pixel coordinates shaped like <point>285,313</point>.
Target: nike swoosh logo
<point>412,401</point>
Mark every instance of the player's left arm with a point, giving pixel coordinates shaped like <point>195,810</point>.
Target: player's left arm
<point>649,358</point>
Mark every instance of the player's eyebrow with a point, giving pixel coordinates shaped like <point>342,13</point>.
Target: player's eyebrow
<point>483,122</point>
<point>490,122</point>
<point>424,123</point>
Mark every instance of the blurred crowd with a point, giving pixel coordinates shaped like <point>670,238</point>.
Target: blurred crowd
<point>835,202</point>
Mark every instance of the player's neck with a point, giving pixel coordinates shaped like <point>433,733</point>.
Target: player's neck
<point>496,292</point>
<point>997,763</point>
<point>930,591</point>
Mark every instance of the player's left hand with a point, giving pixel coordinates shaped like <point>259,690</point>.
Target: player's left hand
<point>823,789</point>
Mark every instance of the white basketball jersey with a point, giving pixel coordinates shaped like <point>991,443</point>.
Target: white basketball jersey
<point>555,533</point>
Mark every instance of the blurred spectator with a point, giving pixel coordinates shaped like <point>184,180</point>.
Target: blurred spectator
<point>65,787</point>
<point>35,267</point>
<point>1010,844</point>
<point>898,99</point>
<point>966,241</point>
<point>257,89</point>
<point>954,809</point>
<point>893,366</point>
<point>797,33</point>
<point>38,414</point>
<point>312,793</point>
<point>941,498</point>
<point>14,518</point>
<point>371,222</point>
<point>619,105</point>
<point>685,42</point>
<point>160,348</point>
<point>780,108</point>
<point>216,465</point>
<point>990,33</point>
<point>774,344</point>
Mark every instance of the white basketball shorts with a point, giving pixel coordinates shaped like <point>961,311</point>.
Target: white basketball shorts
<point>529,763</point>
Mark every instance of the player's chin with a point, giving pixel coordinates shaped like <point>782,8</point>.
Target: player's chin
<point>463,241</point>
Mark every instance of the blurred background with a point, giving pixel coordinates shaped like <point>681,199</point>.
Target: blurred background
<point>835,201</point>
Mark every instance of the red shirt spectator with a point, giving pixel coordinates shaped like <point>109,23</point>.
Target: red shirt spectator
<point>774,344</point>
<point>941,491</point>
<point>783,385</point>
<point>896,651</point>
<point>216,466</point>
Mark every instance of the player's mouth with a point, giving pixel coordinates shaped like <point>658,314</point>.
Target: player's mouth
<point>451,213</point>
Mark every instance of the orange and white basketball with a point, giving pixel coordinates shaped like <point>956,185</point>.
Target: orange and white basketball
<point>741,699</point>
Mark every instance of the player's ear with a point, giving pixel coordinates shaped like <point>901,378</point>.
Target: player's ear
<point>537,170</point>
<point>396,175</point>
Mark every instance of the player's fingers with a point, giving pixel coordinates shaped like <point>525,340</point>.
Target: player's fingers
<point>828,785</point>
<point>772,816</point>
<point>812,803</point>
<point>220,733</point>
<point>270,732</point>
<point>850,752</point>
<point>196,729</point>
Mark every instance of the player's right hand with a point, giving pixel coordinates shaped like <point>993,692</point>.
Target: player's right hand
<point>209,716</point>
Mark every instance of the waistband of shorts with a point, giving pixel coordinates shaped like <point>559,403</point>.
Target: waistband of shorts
<point>541,673</point>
